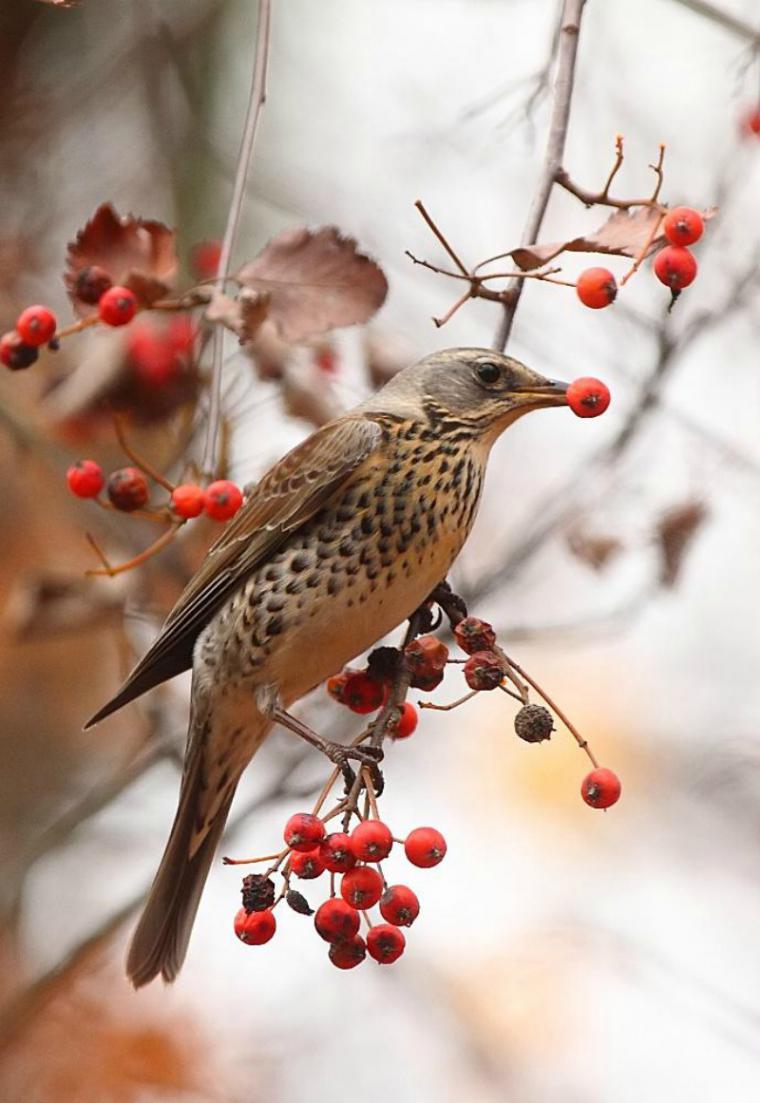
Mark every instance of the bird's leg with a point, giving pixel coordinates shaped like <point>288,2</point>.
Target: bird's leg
<point>337,753</point>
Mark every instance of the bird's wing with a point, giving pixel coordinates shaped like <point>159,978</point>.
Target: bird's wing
<point>287,496</point>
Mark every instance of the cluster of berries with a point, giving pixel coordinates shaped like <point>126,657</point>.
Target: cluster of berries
<point>356,858</point>
<point>674,265</point>
<point>425,660</point>
<point>156,356</point>
<point>35,326</point>
<point>128,490</point>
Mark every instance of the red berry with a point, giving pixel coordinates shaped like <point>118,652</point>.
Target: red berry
<point>92,283</point>
<point>361,693</point>
<point>385,943</point>
<point>675,266</point>
<point>336,853</point>
<point>151,356</point>
<point>181,333</point>
<point>204,259</point>
<point>484,670</point>
<point>187,500</point>
<point>307,864</point>
<point>601,788</point>
<point>336,921</point>
<point>371,841</point>
<point>361,887</point>
<point>399,905</point>
<point>346,955</point>
<point>683,226</point>
<point>36,325</point>
<point>425,847</point>
<point>588,397</point>
<point>336,685</point>
<point>117,306</point>
<point>596,287</point>
<point>407,723</point>
<point>325,359</point>
<point>128,489</point>
<point>750,123</point>
<point>473,634</point>
<point>255,928</point>
<point>222,500</point>
<point>303,831</point>
<point>425,659</point>
<point>85,479</point>
<point>14,353</point>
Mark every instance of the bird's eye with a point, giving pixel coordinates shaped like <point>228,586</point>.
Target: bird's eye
<point>488,372</point>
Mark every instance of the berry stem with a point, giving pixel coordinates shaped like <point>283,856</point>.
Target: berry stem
<point>251,861</point>
<point>137,561</point>
<point>453,705</point>
<point>77,327</point>
<point>582,743</point>
<point>641,256</point>
<point>137,460</point>
<point>160,517</point>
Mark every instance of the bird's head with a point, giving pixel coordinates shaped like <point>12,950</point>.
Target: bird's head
<point>479,387</point>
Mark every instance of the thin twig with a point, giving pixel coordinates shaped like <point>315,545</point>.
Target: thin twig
<point>567,50</point>
<point>136,459</point>
<point>421,208</point>
<point>256,101</point>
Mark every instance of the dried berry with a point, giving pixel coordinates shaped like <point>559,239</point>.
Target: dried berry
<point>425,659</point>
<point>534,723</point>
<point>91,284</point>
<point>298,902</point>
<point>257,892</point>
<point>14,353</point>
<point>128,489</point>
<point>473,634</point>
<point>484,670</point>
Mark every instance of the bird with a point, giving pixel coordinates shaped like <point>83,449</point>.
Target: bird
<point>336,545</point>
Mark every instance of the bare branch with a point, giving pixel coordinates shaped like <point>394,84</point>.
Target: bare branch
<point>723,19</point>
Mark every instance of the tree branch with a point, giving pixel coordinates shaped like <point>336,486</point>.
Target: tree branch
<point>723,19</point>
<point>567,50</point>
<point>256,101</point>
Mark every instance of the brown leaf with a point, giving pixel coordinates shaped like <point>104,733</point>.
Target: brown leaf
<point>317,281</point>
<point>595,551</point>
<point>623,235</point>
<point>135,252</point>
<point>244,315</point>
<point>675,532</point>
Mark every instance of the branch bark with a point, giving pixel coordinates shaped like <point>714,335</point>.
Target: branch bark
<point>567,50</point>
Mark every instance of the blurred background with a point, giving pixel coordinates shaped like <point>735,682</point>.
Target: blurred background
<point>561,954</point>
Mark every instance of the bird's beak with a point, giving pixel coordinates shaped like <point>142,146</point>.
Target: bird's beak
<point>552,392</point>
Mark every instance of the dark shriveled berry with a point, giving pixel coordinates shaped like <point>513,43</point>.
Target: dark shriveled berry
<point>534,723</point>
<point>128,489</point>
<point>14,353</point>
<point>257,892</point>
<point>473,634</point>
<point>92,283</point>
<point>298,902</point>
<point>484,670</point>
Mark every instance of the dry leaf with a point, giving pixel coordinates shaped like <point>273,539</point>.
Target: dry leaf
<point>623,235</point>
<point>595,551</point>
<point>135,252</point>
<point>675,532</point>
<point>244,315</point>
<point>317,281</point>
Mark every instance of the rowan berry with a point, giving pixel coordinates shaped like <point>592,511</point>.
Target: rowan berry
<point>258,892</point>
<point>336,921</point>
<point>407,722</point>
<point>222,500</point>
<point>36,325</point>
<point>307,864</point>
<point>683,226</point>
<point>425,659</point>
<point>750,123</point>
<point>675,266</point>
<point>361,693</point>
<point>596,287</point>
<point>425,847</point>
<point>336,853</point>
<point>385,943</point>
<point>128,489</point>
<point>361,887</point>
<point>371,841</point>
<point>346,955</point>
<point>588,397</point>
<point>601,788</point>
<point>484,670</point>
<point>204,259</point>
<point>85,479</point>
<point>399,905</point>
<point>473,634</point>
<point>188,500</point>
<point>14,353</point>
<point>534,723</point>
<point>303,831</point>
<point>151,356</point>
<point>255,928</point>
<point>117,306</point>
<point>336,685</point>
<point>92,283</point>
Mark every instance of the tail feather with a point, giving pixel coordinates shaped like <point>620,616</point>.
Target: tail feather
<point>160,941</point>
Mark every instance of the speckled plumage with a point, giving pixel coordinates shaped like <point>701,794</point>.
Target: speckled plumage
<point>337,544</point>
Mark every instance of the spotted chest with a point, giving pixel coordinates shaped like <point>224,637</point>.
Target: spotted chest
<point>359,566</point>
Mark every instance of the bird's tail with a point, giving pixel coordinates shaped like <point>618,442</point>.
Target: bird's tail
<point>160,941</point>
